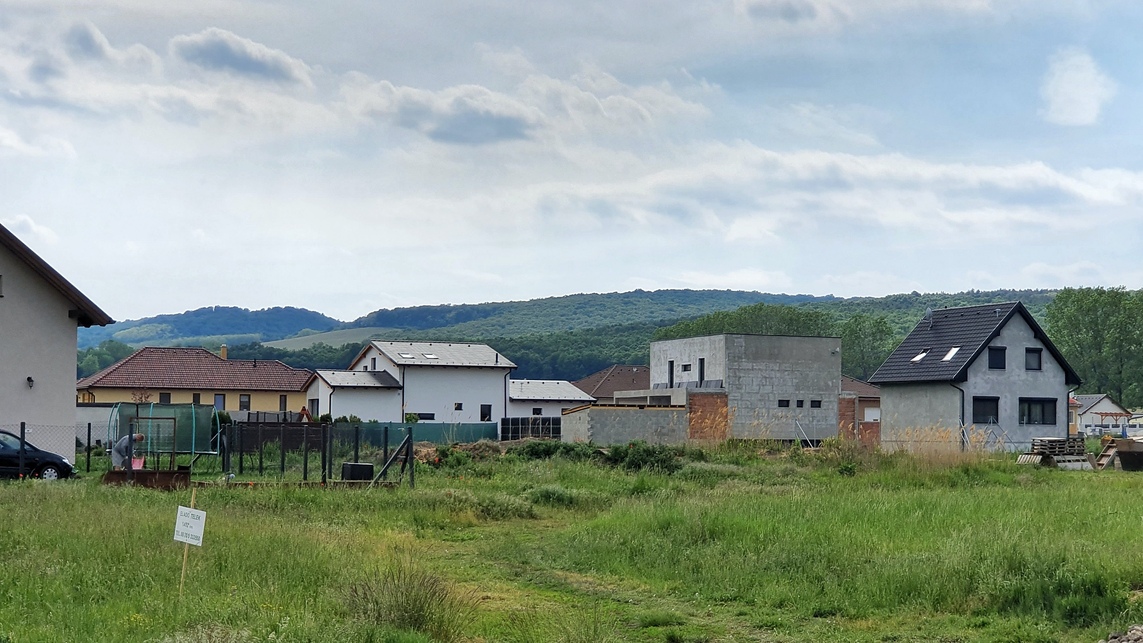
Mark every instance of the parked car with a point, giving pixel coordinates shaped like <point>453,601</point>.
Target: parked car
<point>37,462</point>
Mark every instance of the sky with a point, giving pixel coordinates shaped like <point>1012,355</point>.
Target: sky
<point>346,156</point>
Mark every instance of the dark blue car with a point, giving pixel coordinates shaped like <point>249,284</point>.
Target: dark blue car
<point>37,462</point>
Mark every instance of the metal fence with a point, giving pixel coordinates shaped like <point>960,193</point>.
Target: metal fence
<point>531,427</point>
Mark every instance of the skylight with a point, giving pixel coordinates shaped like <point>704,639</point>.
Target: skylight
<point>921,355</point>
<point>430,355</point>
<point>949,355</point>
<point>407,355</point>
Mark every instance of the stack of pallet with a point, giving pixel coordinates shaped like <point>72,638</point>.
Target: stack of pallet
<point>1057,447</point>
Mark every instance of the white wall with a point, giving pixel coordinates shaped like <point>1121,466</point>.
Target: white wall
<point>437,389</point>
<point>523,408</point>
<point>37,340</point>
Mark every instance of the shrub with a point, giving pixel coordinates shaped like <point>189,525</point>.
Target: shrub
<point>638,456</point>
<point>545,449</point>
<point>406,596</point>
<point>553,495</point>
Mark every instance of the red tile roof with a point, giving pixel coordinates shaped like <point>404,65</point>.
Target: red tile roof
<point>196,368</point>
<point>859,388</point>
<point>615,378</point>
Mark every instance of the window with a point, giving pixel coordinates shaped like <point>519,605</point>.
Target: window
<point>458,406</point>
<point>670,373</point>
<point>997,358</point>
<point>815,404</point>
<point>783,404</point>
<point>1,285</point>
<point>686,368</point>
<point>985,410</point>
<point>220,401</point>
<point>244,402</point>
<point>1037,410</point>
<point>485,412</point>
<point>430,355</point>
<point>196,398</point>
<point>426,416</point>
<point>314,406</point>
<point>164,398</point>
<point>406,355</point>
<point>282,401</point>
<point>1033,359</point>
<point>949,355</point>
<point>537,410</point>
<point>372,363</point>
<point>801,403</point>
<point>920,356</point>
<point>702,370</point>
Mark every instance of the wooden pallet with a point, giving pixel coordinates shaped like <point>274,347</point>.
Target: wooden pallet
<point>1058,446</point>
<point>1107,456</point>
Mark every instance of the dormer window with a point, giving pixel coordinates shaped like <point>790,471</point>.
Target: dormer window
<point>920,356</point>
<point>949,355</point>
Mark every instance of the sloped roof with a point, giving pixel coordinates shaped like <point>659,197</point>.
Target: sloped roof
<point>357,379</point>
<point>86,312</point>
<point>969,329</point>
<point>859,388</point>
<point>1090,400</point>
<point>615,378</point>
<point>196,368</point>
<point>546,391</point>
<point>440,354</point>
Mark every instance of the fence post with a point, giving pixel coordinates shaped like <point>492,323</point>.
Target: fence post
<point>261,450</point>
<point>324,450</point>
<point>281,451</point>
<point>385,442</point>
<point>357,443</point>
<point>89,447</point>
<point>305,453</point>
<point>23,429</point>
<point>412,460</point>
<point>241,451</point>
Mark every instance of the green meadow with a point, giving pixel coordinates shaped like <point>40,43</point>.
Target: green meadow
<point>734,543</point>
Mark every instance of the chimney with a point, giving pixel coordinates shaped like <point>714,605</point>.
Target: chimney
<point>222,351</point>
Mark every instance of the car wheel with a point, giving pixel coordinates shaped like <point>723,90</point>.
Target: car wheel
<point>50,472</point>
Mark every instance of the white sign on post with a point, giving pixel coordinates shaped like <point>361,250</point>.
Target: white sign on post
<point>189,526</point>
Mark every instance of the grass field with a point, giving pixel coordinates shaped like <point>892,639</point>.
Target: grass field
<point>730,546</point>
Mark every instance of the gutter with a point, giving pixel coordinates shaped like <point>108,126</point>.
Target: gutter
<point>963,445</point>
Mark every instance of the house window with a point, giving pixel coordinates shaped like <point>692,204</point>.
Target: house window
<point>670,373</point>
<point>783,404</point>
<point>407,355</point>
<point>686,368</point>
<point>815,404</point>
<point>430,355</point>
<point>1037,410</point>
<point>801,403</point>
<point>372,363</point>
<point>164,398</point>
<point>702,370</point>
<point>314,405</point>
<point>485,412</point>
<point>244,402</point>
<point>426,416</point>
<point>196,398</point>
<point>282,404</point>
<point>997,358</point>
<point>220,401</point>
<point>537,410</point>
<point>920,356</point>
<point>985,410</point>
<point>1033,359</point>
<point>458,406</point>
<point>949,355</point>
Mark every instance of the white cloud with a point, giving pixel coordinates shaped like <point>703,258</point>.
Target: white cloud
<point>85,41</point>
<point>13,143</point>
<point>742,279</point>
<point>1074,88</point>
<point>24,227</point>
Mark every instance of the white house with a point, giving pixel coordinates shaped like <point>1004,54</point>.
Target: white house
<point>1099,414</point>
<point>543,398</point>
<point>39,314</point>
<point>370,395</point>
<point>438,381</point>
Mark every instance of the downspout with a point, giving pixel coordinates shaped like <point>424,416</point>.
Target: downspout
<point>329,402</point>
<point>505,411</point>
<point>963,437</point>
<point>401,372</point>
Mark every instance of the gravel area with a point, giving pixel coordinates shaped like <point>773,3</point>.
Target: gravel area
<point>1134,634</point>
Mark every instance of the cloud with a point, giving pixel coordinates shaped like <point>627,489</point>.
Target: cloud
<point>219,50</point>
<point>23,226</point>
<point>84,41</point>
<point>12,143</point>
<point>1074,88</point>
<point>741,279</point>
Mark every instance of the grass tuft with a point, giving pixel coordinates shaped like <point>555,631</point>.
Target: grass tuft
<point>406,596</point>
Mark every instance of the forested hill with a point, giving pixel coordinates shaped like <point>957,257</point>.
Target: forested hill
<point>217,324</point>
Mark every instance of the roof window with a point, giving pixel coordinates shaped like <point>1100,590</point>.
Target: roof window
<point>949,355</point>
<point>920,356</point>
<point>407,355</point>
<point>430,355</point>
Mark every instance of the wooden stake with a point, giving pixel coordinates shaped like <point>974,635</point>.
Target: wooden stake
<point>186,550</point>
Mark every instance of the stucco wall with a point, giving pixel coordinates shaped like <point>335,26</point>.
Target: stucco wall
<point>688,352</point>
<point>920,416</point>
<point>619,425</point>
<point>37,340</point>
<point>437,390</point>
<point>99,415</point>
<point>523,408</point>
<point>259,400</point>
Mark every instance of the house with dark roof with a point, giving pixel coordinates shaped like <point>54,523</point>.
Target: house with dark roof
<point>39,314</point>
<point>197,376</point>
<point>983,375</point>
<point>444,382</point>
<point>602,385</point>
